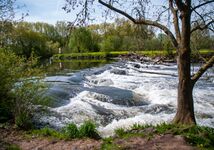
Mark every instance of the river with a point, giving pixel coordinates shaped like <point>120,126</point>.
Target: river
<point>121,94</point>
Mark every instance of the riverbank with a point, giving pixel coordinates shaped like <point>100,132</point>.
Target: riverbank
<point>197,55</point>
<point>111,96</point>
<point>164,136</point>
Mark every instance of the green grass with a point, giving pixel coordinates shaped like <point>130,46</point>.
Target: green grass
<point>102,55</point>
<point>8,146</point>
<point>202,137</point>
<point>13,147</point>
<point>71,131</point>
<point>48,132</point>
<point>88,129</point>
<point>108,144</point>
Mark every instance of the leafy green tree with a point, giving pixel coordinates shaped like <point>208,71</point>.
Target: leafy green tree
<point>81,40</point>
<point>25,40</point>
<point>112,43</point>
<point>6,16</point>
<point>63,32</point>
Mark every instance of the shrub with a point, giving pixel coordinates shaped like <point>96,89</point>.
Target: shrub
<point>20,88</point>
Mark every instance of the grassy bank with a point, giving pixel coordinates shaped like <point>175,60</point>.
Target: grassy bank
<point>162,135</point>
<point>201,137</point>
<point>104,55</point>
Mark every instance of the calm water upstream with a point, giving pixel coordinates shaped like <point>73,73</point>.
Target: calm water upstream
<point>120,94</point>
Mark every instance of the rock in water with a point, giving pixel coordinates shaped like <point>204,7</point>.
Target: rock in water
<point>118,71</point>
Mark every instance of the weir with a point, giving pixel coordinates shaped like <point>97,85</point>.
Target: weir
<point>120,95</point>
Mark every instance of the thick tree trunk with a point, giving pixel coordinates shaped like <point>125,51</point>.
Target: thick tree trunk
<point>185,107</point>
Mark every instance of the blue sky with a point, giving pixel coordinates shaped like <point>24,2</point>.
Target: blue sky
<point>49,11</point>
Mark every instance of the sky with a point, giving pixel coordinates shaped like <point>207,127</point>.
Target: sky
<point>49,11</point>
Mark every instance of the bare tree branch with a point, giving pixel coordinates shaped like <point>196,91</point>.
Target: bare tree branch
<point>142,21</point>
<point>202,70</point>
<point>175,21</point>
<point>202,27</point>
<point>202,4</point>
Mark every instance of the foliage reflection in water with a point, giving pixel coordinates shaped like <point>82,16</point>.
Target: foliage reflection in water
<point>68,66</point>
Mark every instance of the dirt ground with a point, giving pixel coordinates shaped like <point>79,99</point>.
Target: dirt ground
<point>158,142</point>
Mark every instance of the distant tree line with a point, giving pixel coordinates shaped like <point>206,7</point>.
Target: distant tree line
<point>44,39</point>
<point>123,35</point>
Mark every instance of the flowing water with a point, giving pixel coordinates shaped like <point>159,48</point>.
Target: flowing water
<point>122,94</point>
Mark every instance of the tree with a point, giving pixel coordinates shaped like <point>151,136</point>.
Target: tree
<point>8,9</point>
<point>63,31</point>
<point>183,14</point>
<point>112,43</point>
<point>81,40</point>
<point>26,39</point>
<point>6,16</point>
<point>201,39</point>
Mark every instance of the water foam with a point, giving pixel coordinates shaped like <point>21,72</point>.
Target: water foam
<point>102,88</point>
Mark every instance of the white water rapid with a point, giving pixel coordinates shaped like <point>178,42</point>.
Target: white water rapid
<point>122,94</point>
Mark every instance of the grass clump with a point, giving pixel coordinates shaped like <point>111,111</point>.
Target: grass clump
<point>12,147</point>
<point>120,132</point>
<point>48,132</point>
<point>88,129</point>
<point>108,144</point>
<point>71,131</point>
<point>202,137</point>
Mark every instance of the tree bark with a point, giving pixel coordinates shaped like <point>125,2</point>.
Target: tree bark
<point>185,107</point>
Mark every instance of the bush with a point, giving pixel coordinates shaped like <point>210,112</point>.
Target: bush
<point>20,88</point>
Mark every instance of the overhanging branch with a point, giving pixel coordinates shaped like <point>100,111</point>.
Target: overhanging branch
<point>202,4</point>
<point>202,27</point>
<point>142,21</point>
<point>202,70</point>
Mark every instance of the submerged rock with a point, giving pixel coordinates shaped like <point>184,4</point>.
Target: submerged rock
<point>118,96</point>
<point>118,71</point>
<point>156,109</point>
<point>102,82</point>
<point>136,65</point>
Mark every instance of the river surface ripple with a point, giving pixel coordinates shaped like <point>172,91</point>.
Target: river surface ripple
<point>122,94</point>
